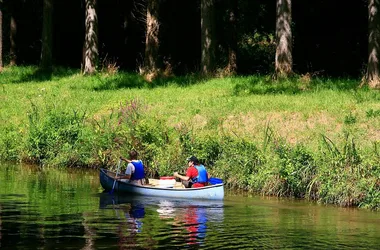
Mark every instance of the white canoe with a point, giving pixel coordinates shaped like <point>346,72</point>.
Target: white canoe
<point>211,192</point>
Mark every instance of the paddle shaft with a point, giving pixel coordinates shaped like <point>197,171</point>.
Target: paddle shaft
<point>117,172</point>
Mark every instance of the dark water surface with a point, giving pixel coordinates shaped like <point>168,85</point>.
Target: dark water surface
<point>57,209</point>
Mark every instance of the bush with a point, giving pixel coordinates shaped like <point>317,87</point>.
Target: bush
<point>238,161</point>
<point>292,170</point>
<point>10,144</point>
<point>52,134</point>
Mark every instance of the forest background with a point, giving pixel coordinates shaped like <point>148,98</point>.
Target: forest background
<point>276,97</point>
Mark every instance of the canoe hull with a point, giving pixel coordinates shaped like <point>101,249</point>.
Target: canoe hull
<point>213,192</point>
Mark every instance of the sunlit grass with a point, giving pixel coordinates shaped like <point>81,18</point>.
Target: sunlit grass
<point>222,120</point>
<point>297,110</point>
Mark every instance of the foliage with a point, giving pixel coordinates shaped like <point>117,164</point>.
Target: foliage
<point>258,50</point>
<point>10,143</point>
<point>350,119</point>
<point>339,172</point>
<point>238,163</point>
<point>295,169</point>
<point>217,120</point>
<point>373,113</point>
<point>52,136</point>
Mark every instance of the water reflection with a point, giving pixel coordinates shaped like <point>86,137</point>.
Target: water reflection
<point>62,209</point>
<point>192,216</point>
<point>0,224</point>
<point>187,219</point>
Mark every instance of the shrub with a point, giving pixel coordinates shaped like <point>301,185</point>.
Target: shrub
<point>10,144</point>
<point>52,133</point>
<point>238,161</point>
<point>338,173</point>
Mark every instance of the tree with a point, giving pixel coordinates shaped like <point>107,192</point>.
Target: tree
<point>90,48</point>
<point>47,36</point>
<point>152,42</point>
<point>232,43</point>
<point>207,37</point>
<point>12,38</point>
<point>283,59</point>
<point>372,76</point>
<point>1,35</point>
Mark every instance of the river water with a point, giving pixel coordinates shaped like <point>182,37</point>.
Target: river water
<point>67,209</point>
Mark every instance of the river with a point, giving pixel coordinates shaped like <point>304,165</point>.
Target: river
<point>67,209</point>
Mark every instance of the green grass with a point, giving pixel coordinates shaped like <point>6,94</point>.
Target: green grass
<point>240,105</point>
<point>323,106</point>
<point>225,121</point>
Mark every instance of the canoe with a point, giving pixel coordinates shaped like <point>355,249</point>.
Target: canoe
<point>211,192</point>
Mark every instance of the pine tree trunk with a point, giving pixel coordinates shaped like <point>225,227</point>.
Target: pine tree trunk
<point>283,60</point>
<point>1,37</point>
<point>12,37</point>
<point>90,50</point>
<point>232,44</point>
<point>152,42</point>
<point>207,37</point>
<point>47,36</point>
<point>372,77</point>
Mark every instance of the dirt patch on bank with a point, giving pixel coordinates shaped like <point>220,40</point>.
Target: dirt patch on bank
<point>294,127</point>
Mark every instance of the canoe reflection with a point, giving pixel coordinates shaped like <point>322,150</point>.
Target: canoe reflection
<point>190,218</point>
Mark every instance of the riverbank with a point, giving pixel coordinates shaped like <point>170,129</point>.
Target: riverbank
<point>310,138</point>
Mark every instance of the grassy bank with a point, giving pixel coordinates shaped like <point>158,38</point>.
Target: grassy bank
<point>304,137</point>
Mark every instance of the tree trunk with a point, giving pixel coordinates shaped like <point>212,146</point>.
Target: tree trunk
<point>47,36</point>
<point>90,48</point>
<point>1,36</point>
<point>152,42</point>
<point>12,37</point>
<point>232,43</point>
<point>283,60</point>
<point>207,37</point>
<point>372,77</point>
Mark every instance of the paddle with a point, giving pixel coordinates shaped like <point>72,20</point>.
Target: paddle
<point>114,182</point>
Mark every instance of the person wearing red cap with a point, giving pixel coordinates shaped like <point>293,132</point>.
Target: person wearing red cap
<point>196,174</point>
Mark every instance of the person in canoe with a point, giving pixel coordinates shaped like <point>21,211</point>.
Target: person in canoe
<point>134,172</point>
<point>196,174</point>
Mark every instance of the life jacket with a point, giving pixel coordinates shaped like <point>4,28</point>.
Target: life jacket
<point>139,170</point>
<point>202,174</point>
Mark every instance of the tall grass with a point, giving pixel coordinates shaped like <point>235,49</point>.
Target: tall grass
<point>308,138</point>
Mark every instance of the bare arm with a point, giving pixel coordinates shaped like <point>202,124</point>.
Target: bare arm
<point>128,171</point>
<point>125,159</point>
<point>125,176</point>
<point>182,177</point>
